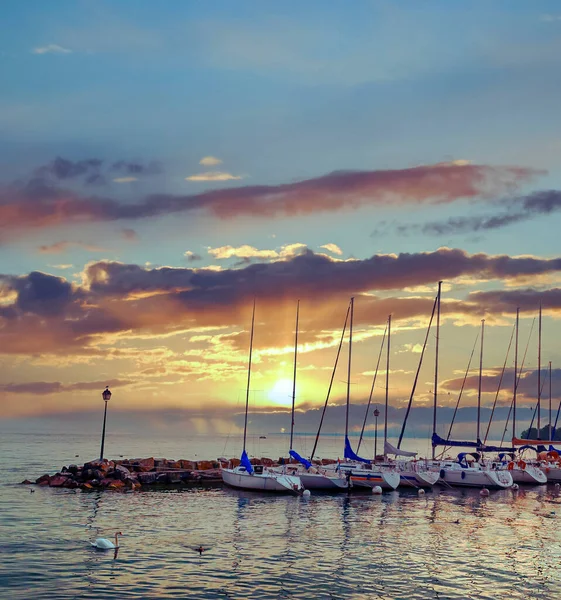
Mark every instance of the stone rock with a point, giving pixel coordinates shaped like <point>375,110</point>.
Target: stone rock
<point>162,478</point>
<point>86,487</point>
<point>58,481</point>
<point>116,485</point>
<point>105,482</point>
<point>174,477</point>
<point>268,462</point>
<point>146,462</point>
<point>328,461</point>
<point>174,464</point>
<point>26,482</point>
<point>204,465</point>
<point>188,464</point>
<point>147,478</point>
<point>44,483</point>
<point>123,471</point>
<point>70,484</point>
<point>73,469</point>
<point>44,477</point>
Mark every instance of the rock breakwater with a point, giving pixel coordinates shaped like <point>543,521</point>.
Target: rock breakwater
<point>138,473</point>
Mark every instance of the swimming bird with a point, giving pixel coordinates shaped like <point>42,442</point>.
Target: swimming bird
<point>105,544</point>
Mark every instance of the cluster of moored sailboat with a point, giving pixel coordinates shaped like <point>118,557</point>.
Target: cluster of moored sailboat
<point>483,466</point>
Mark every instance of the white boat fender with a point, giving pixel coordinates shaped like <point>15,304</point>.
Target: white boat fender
<point>514,487</point>
<point>484,492</point>
<point>421,492</point>
<point>377,490</point>
<point>306,494</point>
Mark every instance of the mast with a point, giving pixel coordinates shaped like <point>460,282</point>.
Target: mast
<point>387,384</point>
<point>539,369</point>
<point>330,383</point>
<point>550,400</point>
<point>416,377</point>
<point>480,379</point>
<point>436,365</point>
<point>349,370</point>
<point>294,376</point>
<point>248,376</point>
<point>372,390</point>
<point>515,388</point>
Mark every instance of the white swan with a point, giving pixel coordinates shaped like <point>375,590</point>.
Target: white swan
<point>105,544</point>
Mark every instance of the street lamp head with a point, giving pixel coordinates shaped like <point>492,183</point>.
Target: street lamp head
<point>106,394</point>
<point>376,413</point>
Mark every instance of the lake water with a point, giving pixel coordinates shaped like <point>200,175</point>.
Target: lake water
<point>446,544</point>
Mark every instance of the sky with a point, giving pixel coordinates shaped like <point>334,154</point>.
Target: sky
<point>163,166</point>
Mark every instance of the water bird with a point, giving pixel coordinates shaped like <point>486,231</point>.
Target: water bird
<point>31,491</point>
<point>105,544</point>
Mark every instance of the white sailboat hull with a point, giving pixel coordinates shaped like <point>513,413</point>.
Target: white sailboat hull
<point>316,479</point>
<point>476,478</point>
<point>553,474</point>
<point>369,478</point>
<point>319,481</point>
<point>268,481</point>
<point>416,480</point>
<point>530,475</point>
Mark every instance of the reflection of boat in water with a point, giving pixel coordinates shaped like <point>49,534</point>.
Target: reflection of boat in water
<point>257,477</point>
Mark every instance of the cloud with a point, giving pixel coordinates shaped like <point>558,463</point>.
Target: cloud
<point>517,210</point>
<point>64,246</point>
<point>91,171</point>
<point>333,248</point>
<point>125,179</point>
<point>56,387</point>
<point>63,267</point>
<point>39,204</point>
<point>213,176</point>
<point>210,161</point>
<point>191,256</point>
<point>44,314</point>
<point>129,234</point>
<point>249,252</point>
<point>51,49</point>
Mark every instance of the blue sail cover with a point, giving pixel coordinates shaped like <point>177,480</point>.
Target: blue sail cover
<point>301,460</point>
<point>438,441</point>
<point>244,461</point>
<point>350,455</point>
<point>553,449</point>
<point>484,448</point>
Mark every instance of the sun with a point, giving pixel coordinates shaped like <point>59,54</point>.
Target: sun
<point>281,392</point>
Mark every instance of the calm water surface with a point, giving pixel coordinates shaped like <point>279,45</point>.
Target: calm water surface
<point>446,544</point>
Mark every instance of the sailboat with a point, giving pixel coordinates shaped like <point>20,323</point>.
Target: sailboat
<point>464,472</point>
<point>360,471</point>
<point>312,477</point>
<point>257,477</point>
<point>412,473</point>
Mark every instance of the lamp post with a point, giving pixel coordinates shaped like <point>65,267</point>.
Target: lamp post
<point>106,395</point>
<point>376,415</point>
